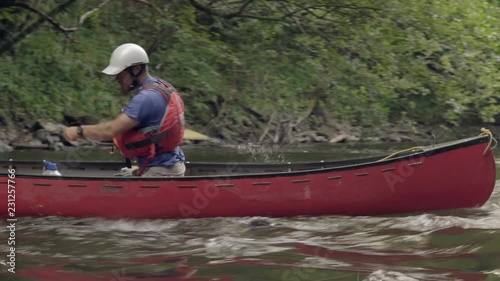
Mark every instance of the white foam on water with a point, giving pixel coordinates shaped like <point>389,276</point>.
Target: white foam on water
<point>136,225</point>
<point>432,222</point>
<point>384,275</point>
<point>230,247</point>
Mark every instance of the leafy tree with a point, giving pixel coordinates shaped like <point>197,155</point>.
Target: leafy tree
<point>246,64</point>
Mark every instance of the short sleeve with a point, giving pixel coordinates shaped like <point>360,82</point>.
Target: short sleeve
<point>139,106</point>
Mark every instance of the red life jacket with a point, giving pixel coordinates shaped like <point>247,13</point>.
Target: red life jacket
<point>167,136</point>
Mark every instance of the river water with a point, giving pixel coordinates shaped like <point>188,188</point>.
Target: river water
<point>451,245</point>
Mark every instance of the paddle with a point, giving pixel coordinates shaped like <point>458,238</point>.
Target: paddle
<point>192,135</point>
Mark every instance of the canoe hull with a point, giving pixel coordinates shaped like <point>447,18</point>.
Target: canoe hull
<point>450,178</point>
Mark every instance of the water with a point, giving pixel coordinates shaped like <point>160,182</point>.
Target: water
<point>451,245</point>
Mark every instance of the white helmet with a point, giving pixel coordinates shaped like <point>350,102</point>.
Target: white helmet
<point>125,55</point>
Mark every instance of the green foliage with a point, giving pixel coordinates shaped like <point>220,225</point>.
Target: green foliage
<point>370,62</point>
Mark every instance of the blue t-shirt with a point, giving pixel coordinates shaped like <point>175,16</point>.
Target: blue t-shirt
<point>148,107</point>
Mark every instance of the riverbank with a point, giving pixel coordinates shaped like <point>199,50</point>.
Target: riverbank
<point>47,135</point>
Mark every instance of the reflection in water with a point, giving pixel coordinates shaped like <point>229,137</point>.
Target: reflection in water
<point>454,245</point>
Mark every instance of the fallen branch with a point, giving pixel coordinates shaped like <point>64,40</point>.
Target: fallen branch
<point>276,138</point>
<point>307,114</point>
<point>268,125</point>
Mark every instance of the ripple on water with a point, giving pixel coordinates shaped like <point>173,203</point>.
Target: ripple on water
<point>399,247</point>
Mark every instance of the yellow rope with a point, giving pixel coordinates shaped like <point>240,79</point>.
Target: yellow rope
<point>486,132</point>
<point>421,148</point>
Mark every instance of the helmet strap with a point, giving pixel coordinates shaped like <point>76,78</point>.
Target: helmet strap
<point>135,82</point>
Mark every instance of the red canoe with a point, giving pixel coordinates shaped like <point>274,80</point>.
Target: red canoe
<point>458,174</point>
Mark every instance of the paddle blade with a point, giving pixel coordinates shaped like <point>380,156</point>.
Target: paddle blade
<point>192,135</point>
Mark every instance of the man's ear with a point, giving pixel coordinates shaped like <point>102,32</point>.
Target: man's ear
<point>136,69</point>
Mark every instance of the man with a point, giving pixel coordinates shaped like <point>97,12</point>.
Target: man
<point>151,126</point>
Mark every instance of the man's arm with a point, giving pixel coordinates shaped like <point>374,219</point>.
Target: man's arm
<point>102,131</point>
